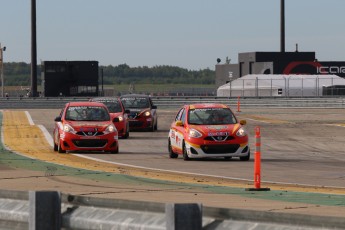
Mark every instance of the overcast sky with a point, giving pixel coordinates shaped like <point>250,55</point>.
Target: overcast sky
<point>190,34</point>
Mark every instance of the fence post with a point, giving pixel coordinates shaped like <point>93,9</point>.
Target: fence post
<point>44,210</point>
<point>183,216</point>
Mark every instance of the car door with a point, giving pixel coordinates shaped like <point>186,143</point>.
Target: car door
<point>177,131</point>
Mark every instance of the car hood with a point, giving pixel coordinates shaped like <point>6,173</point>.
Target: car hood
<point>217,130</point>
<point>113,115</point>
<point>89,125</point>
<point>139,110</point>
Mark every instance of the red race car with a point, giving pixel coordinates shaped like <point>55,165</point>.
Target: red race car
<point>208,130</point>
<point>85,126</point>
<point>116,109</point>
<point>143,114</point>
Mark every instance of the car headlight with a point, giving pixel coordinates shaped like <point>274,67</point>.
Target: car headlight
<point>68,128</point>
<point>120,118</point>
<point>110,129</point>
<point>194,133</point>
<point>241,132</point>
<point>147,113</point>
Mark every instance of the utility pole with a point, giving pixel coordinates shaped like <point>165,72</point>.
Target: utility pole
<point>33,50</point>
<point>282,26</point>
<point>2,49</point>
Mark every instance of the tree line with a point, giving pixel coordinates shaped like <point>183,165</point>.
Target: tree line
<point>18,73</point>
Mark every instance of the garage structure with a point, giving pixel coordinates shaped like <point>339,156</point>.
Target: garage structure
<point>262,85</point>
<point>277,63</point>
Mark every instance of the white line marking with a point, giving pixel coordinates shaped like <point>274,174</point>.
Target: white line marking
<point>259,120</point>
<point>31,122</point>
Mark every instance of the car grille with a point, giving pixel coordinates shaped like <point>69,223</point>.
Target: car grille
<point>89,133</point>
<point>215,149</point>
<point>135,123</point>
<point>219,138</point>
<point>132,115</point>
<point>90,143</point>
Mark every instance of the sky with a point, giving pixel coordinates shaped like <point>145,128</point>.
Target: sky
<point>189,34</point>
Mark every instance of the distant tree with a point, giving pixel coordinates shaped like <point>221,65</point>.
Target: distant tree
<point>19,73</point>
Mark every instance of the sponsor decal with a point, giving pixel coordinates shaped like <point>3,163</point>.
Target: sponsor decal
<point>330,69</point>
<point>88,129</point>
<point>89,137</point>
<point>172,134</point>
<point>320,69</point>
<point>213,134</point>
<point>289,68</point>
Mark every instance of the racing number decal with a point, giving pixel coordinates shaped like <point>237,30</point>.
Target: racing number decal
<point>176,139</point>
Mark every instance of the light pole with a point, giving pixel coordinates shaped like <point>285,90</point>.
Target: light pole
<point>2,68</point>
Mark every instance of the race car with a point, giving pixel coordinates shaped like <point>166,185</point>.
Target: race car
<point>143,114</point>
<point>208,130</point>
<point>85,126</point>
<point>116,109</point>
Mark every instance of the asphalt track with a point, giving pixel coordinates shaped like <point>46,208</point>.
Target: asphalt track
<point>302,163</point>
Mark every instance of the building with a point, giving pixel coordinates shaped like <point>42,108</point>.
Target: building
<point>277,63</point>
<point>69,78</point>
<point>280,74</point>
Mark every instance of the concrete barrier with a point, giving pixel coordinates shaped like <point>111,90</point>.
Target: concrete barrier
<point>39,209</point>
<point>175,102</point>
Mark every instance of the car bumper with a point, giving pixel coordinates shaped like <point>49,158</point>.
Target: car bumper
<point>121,128</point>
<point>220,150</point>
<point>72,142</point>
<point>141,123</point>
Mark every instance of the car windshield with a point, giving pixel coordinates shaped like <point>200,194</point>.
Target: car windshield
<point>135,102</point>
<point>113,106</point>
<point>87,113</point>
<point>211,116</point>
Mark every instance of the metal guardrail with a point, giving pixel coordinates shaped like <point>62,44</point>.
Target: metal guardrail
<point>37,210</point>
<point>173,102</point>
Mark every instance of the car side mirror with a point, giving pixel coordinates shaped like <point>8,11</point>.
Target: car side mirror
<point>154,107</point>
<point>127,111</point>
<point>178,123</point>
<point>116,119</point>
<point>57,118</point>
<point>243,122</point>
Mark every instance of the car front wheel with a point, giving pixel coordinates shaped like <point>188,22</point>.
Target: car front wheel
<point>245,158</point>
<point>60,150</point>
<point>185,155</point>
<point>171,152</point>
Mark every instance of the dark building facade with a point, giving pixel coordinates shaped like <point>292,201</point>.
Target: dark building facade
<point>69,78</point>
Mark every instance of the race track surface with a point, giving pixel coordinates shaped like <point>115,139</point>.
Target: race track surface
<point>302,163</point>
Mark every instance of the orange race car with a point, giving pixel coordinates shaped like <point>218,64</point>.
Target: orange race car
<point>85,126</point>
<point>208,130</point>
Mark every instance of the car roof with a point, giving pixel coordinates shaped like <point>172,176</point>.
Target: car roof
<point>207,105</point>
<point>135,95</point>
<point>85,103</point>
<point>105,99</point>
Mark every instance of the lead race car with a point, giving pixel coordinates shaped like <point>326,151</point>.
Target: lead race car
<point>85,126</point>
<point>208,130</point>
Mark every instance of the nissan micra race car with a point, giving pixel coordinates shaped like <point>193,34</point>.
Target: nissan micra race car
<point>116,109</point>
<point>208,130</point>
<point>143,114</point>
<point>85,126</point>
